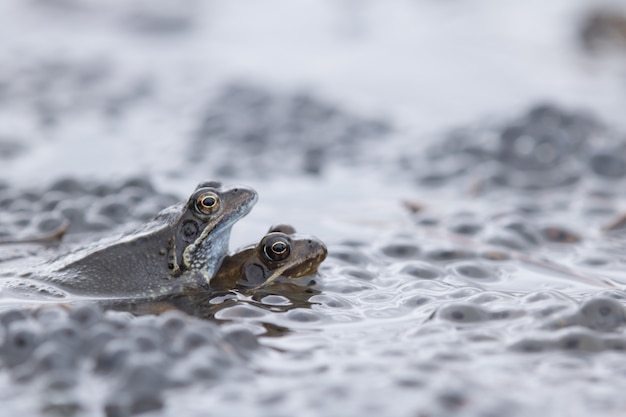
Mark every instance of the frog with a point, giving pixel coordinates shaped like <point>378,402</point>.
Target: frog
<point>185,243</point>
<point>281,253</point>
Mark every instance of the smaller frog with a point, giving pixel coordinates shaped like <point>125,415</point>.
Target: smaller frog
<point>281,253</point>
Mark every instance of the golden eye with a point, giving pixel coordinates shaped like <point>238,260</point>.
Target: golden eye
<point>207,203</point>
<point>276,249</point>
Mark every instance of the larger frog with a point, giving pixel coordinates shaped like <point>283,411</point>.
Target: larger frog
<point>184,243</point>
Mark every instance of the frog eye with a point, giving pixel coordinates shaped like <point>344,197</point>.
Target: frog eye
<point>207,203</point>
<point>276,248</point>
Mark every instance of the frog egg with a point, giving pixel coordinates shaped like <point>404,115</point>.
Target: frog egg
<point>113,209</point>
<point>302,316</point>
<point>147,402</point>
<point>146,339</point>
<point>243,340</point>
<point>131,403</point>
<point>113,356</point>
<point>421,270</point>
<point>63,380</point>
<point>474,271</point>
<point>66,334</point>
<point>193,339</point>
<point>532,345</point>
<point>506,239</point>
<point>139,184</point>
<point>85,315</point>
<point>352,256</point>
<point>47,357</point>
<point>144,377</point>
<point>359,274</point>
<point>465,228</point>
<point>70,186</point>
<point>558,234</point>
<point>10,316</point>
<point>546,297</point>
<point>449,254</point>
<point>401,250</point>
<point>171,323</point>
<point>97,337</point>
<point>187,341</point>
<point>417,300</point>
<point>198,366</point>
<point>50,314</point>
<point>20,341</point>
<point>463,313</point>
<point>602,313</point>
<point>119,320</point>
<point>615,343</point>
<point>116,406</point>
<point>608,165</point>
<point>49,222</point>
<point>579,340</point>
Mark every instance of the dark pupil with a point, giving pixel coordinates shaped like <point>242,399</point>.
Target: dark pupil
<point>208,201</point>
<point>279,247</point>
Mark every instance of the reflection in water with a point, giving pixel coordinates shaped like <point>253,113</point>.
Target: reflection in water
<point>231,306</point>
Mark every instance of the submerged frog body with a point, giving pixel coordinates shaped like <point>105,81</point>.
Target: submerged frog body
<point>185,242</point>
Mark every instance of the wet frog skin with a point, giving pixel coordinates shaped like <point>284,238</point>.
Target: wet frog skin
<point>281,252</point>
<point>183,243</point>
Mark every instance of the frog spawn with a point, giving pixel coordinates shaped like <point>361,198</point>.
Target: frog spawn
<point>446,311</point>
<point>137,359</point>
<point>86,206</point>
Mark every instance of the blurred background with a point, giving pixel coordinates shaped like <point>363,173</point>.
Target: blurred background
<point>463,160</point>
<point>307,102</point>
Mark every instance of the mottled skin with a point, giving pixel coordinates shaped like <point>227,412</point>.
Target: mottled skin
<point>185,243</point>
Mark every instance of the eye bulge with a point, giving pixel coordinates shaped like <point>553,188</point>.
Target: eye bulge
<point>276,248</point>
<point>207,202</point>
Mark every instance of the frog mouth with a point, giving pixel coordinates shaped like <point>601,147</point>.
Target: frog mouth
<point>315,251</point>
<point>308,267</point>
